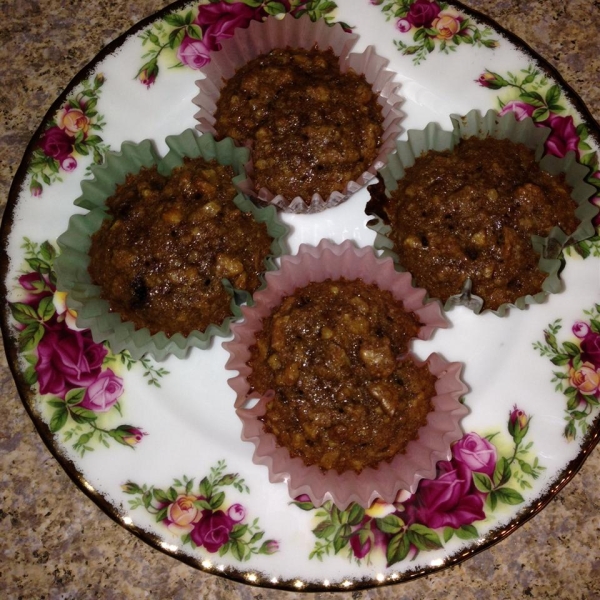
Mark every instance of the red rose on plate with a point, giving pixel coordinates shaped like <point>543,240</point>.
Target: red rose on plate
<point>563,137</point>
<point>590,349</point>
<point>212,531</point>
<point>450,500</point>
<point>422,13</point>
<point>56,143</point>
<point>219,21</point>
<point>68,359</point>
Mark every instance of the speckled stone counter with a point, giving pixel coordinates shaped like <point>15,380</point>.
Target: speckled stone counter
<point>56,543</point>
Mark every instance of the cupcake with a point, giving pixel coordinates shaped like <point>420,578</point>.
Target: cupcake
<point>318,120</point>
<point>327,389</point>
<point>476,217</point>
<point>169,250</point>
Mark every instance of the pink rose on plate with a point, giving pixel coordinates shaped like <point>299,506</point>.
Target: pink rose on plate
<point>219,21</point>
<point>522,110</point>
<point>68,164</point>
<point>236,513</point>
<point>422,13</point>
<point>449,500</point>
<point>590,349</point>
<point>103,393</point>
<point>478,454</point>
<point>193,53</point>
<point>68,359</point>
<point>563,137</point>
<point>581,329</point>
<point>182,515</point>
<point>55,143</point>
<point>403,25</point>
<point>586,379</point>
<point>212,530</point>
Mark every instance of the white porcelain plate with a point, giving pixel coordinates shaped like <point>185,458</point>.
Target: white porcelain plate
<point>157,445</point>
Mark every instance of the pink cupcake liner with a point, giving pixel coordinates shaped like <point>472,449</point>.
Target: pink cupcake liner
<point>403,472</point>
<point>262,37</point>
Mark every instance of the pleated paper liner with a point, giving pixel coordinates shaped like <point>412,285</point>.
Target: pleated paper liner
<point>84,297</point>
<point>262,37</point>
<point>404,471</point>
<point>491,124</point>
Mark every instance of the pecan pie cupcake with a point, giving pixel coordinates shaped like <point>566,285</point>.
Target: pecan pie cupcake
<point>169,251</point>
<point>318,119</point>
<point>344,412</point>
<point>476,217</point>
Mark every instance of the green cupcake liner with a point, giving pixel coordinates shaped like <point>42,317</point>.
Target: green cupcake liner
<point>71,265</point>
<point>502,127</point>
<point>114,171</point>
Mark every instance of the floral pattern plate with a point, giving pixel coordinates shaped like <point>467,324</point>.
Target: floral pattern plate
<point>157,445</point>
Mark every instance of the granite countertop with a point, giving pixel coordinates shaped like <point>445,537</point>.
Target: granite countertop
<point>57,544</point>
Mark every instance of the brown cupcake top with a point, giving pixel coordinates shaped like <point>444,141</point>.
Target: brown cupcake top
<point>471,213</point>
<point>312,128</point>
<point>342,399</point>
<point>161,258</point>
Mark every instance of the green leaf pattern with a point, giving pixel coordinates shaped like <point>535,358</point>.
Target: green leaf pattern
<point>82,403</point>
<point>578,375</point>
<point>472,489</point>
<point>70,134</point>
<point>186,38</point>
<point>433,24</point>
<point>200,516</point>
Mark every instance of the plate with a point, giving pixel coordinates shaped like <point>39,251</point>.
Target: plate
<point>159,433</point>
